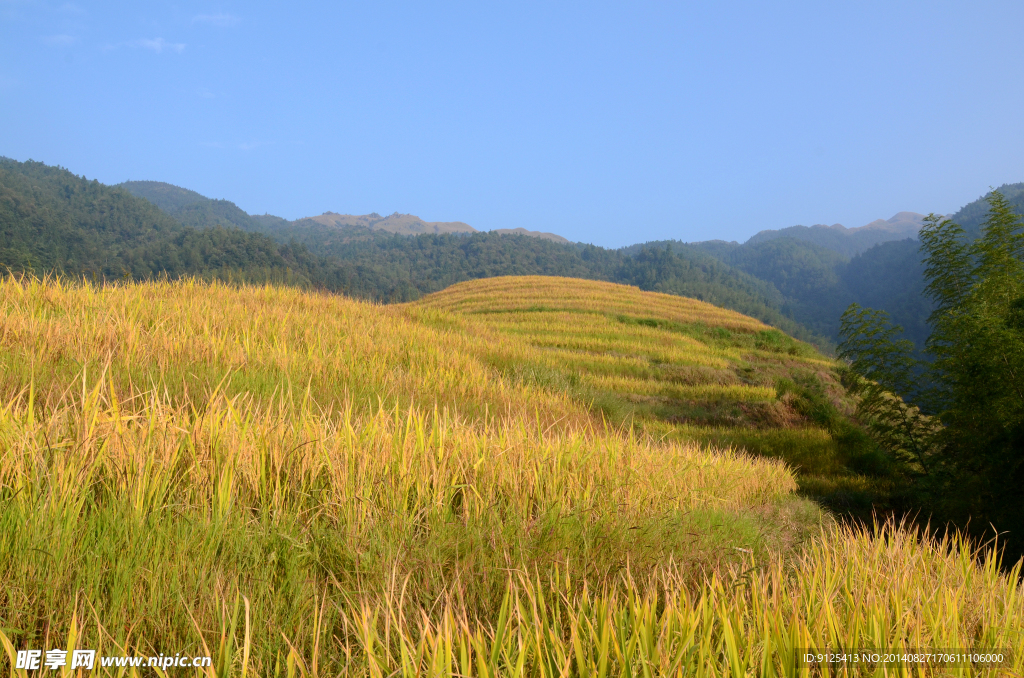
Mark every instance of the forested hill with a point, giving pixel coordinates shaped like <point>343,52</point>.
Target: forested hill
<point>54,221</point>
<point>818,280</point>
<point>427,263</point>
<point>51,219</point>
<point>817,284</point>
<point>192,209</point>
<point>849,242</point>
<point>972,215</point>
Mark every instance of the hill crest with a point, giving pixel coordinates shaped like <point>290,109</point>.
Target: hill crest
<point>554,237</point>
<point>902,225</point>
<point>401,224</point>
<point>849,241</point>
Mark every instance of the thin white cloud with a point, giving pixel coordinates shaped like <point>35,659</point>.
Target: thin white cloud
<point>250,145</point>
<point>221,20</point>
<point>158,45</point>
<point>60,40</point>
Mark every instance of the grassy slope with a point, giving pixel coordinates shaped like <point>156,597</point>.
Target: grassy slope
<point>376,480</point>
<point>681,369</point>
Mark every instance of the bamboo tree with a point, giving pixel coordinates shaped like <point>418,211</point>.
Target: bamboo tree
<point>972,452</point>
<point>887,373</point>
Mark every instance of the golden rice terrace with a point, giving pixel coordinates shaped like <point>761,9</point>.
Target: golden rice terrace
<point>512,477</point>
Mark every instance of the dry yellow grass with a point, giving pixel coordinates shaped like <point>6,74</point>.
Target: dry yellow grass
<point>188,337</point>
<point>523,293</point>
<point>674,367</point>
<point>315,486</point>
<point>610,344</point>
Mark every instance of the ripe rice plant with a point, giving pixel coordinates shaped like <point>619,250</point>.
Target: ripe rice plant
<point>300,484</point>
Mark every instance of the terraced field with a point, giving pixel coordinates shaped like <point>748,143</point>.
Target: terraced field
<point>515,477</point>
<point>678,369</point>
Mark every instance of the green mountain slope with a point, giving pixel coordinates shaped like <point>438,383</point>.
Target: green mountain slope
<point>196,210</point>
<point>51,219</point>
<point>806,274</point>
<point>971,215</point>
<point>167,197</point>
<point>410,266</point>
<point>54,221</point>
<point>803,280</point>
<point>818,280</point>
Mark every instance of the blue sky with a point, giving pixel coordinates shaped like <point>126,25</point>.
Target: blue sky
<point>610,123</point>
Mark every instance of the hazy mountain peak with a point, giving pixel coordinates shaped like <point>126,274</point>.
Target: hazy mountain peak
<point>908,223</point>
<point>850,241</point>
<point>402,224</point>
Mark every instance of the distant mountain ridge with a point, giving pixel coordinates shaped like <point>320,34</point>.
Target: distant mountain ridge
<point>194,209</point>
<point>820,270</point>
<point>198,211</point>
<point>400,224</point>
<point>52,221</point>
<point>849,241</point>
<point>55,222</point>
<point>903,223</point>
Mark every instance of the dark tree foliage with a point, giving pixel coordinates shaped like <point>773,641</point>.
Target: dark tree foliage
<point>52,220</point>
<point>970,452</point>
<point>808,276</point>
<point>804,279</point>
<point>886,377</point>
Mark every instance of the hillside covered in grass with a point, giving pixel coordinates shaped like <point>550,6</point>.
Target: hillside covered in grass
<point>512,477</point>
